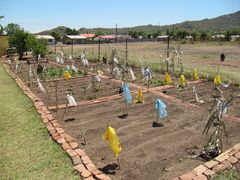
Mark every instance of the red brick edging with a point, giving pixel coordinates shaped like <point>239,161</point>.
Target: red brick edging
<point>225,160</point>
<point>81,162</point>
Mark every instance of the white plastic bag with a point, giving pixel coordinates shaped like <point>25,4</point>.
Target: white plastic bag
<point>57,59</point>
<point>40,86</point>
<point>132,74</point>
<point>74,68</point>
<point>71,100</point>
<point>61,61</point>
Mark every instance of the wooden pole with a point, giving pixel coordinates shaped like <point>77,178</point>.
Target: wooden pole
<point>168,39</point>
<point>56,95</point>
<point>99,44</point>
<point>126,49</point>
<point>116,34</point>
<point>118,163</point>
<point>65,110</point>
<point>148,85</point>
<point>72,47</point>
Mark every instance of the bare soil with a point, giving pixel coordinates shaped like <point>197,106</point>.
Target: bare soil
<point>147,152</point>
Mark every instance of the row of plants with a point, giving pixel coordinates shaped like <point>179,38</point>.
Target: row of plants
<point>53,73</point>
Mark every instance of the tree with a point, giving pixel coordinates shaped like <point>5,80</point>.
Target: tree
<point>228,36</point>
<point>203,36</point>
<point>11,28</point>
<point>1,28</point>
<point>70,31</point>
<point>56,35</point>
<point>194,35</point>
<point>37,46</point>
<point>19,40</point>
<point>98,33</point>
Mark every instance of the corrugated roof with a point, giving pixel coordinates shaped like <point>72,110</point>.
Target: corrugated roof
<point>44,37</point>
<point>88,35</point>
<point>76,37</point>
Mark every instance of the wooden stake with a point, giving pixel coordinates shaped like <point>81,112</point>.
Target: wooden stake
<point>148,85</point>
<point>65,110</point>
<point>118,163</point>
<point>56,95</point>
<point>84,139</point>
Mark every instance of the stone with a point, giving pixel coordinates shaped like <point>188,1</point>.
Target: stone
<point>76,160</point>
<point>219,167</point>
<point>211,163</point>
<point>68,138</point>
<point>188,176</point>
<point>85,173</point>
<point>50,117</point>
<point>56,125</point>
<point>209,173</point>
<point>52,131</point>
<point>80,168</point>
<point>66,146</point>
<point>80,152</point>
<point>222,157</point>
<point>201,177</point>
<point>60,130</point>
<point>74,145</point>
<point>237,155</point>
<point>199,169</point>
<point>232,160</point>
<point>227,164</point>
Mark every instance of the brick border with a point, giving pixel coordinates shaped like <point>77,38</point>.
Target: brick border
<point>81,161</point>
<point>225,160</point>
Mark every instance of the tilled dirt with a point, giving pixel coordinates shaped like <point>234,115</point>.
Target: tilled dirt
<point>147,152</point>
<point>205,91</point>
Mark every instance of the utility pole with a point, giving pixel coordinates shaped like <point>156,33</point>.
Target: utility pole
<point>116,34</point>
<point>126,49</point>
<point>168,38</point>
<point>72,47</point>
<point>99,44</point>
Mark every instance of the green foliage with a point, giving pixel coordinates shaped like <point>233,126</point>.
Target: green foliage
<point>11,28</point>
<point>70,31</point>
<point>158,82</point>
<point>228,174</point>
<point>19,40</point>
<point>98,33</point>
<point>56,35</point>
<point>38,46</point>
<point>52,73</point>
<point>1,28</point>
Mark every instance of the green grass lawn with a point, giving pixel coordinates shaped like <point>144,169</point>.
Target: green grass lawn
<point>26,150</point>
<point>227,175</point>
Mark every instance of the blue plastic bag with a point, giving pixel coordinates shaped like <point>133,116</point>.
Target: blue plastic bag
<point>127,93</point>
<point>161,107</point>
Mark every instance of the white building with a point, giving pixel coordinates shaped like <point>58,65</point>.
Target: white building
<point>49,38</point>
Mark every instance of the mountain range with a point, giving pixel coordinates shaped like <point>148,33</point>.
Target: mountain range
<point>218,24</point>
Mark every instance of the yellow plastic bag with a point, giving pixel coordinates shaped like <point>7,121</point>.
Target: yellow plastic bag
<point>195,74</point>
<point>182,81</point>
<point>217,80</point>
<point>168,78</point>
<point>67,75</point>
<point>112,139</point>
<point>139,98</point>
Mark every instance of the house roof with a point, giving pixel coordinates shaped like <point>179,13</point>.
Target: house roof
<point>163,36</point>
<point>44,37</point>
<point>107,36</point>
<point>88,35</point>
<point>76,37</point>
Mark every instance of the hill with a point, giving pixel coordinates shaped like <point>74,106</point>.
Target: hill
<point>221,23</point>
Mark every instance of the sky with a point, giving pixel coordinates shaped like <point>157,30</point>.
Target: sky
<point>38,15</point>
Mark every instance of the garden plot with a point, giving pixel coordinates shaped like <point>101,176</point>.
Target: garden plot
<point>147,152</point>
<point>205,91</point>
